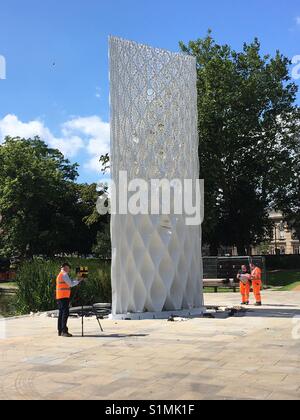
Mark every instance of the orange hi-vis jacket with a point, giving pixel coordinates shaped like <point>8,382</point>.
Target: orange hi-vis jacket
<point>63,290</point>
<point>256,274</point>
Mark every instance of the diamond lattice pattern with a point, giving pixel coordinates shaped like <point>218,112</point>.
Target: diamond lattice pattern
<point>157,262</point>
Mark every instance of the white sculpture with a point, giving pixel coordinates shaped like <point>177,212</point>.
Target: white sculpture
<point>156,263</point>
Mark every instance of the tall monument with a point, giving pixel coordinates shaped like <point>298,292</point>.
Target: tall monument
<point>156,262</point>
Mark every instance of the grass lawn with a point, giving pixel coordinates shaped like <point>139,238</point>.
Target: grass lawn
<point>286,279</point>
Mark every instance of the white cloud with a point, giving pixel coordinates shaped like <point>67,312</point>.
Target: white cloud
<point>93,164</point>
<point>12,126</point>
<point>88,133</point>
<point>97,135</point>
<point>69,146</point>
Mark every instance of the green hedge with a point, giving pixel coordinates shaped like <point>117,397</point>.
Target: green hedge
<point>282,262</point>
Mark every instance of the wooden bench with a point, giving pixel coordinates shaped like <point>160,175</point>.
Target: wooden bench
<point>221,283</point>
<point>7,276</point>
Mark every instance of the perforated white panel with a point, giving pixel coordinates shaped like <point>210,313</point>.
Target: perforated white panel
<point>157,262</point>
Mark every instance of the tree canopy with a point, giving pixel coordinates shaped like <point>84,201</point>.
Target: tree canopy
<point>43,211</point>
<point>249,139</point>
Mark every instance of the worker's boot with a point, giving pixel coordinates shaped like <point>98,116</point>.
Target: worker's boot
<point>258,304</point>
<point>68,335</point>
<point>59,333</point>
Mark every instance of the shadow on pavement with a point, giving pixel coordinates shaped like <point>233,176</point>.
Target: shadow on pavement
<point>110,335</point>
<point>272,313</point>
<point>280,306</point>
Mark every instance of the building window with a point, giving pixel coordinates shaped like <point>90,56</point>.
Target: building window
<point>282,250</point>
<point>297,250</point>
<point>281,231</point>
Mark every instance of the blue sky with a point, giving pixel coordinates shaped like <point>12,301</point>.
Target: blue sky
<point>57,58</point>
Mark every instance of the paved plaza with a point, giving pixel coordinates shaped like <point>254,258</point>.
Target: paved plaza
<point>255,355</point>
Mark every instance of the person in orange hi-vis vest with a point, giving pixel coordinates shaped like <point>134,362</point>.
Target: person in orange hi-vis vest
<point>256,277</point>
<point>244,278</point>
<point>64,285</point>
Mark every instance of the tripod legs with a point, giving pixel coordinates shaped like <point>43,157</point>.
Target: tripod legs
<point>100,324</point>
<point>82,322</point>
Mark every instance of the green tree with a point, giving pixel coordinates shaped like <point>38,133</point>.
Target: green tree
<point>102,248</point>
<point>36,198</point>
<point>249,131</point>
<point>43,211</point>
<point>291,208</point>
<point>91,224</point>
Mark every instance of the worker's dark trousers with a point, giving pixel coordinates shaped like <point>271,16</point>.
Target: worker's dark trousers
<point>63,306</point>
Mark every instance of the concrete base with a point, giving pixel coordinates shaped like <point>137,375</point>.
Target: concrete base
<point>158,315</point>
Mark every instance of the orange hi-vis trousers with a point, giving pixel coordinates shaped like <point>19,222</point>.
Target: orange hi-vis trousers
<point>257,286</point>
<point>245,291</point>
<point>257,283</point>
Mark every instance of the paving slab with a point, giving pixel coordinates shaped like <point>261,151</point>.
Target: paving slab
<point>256,356</point>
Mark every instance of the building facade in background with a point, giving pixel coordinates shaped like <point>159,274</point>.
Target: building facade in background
<point>283,241</point>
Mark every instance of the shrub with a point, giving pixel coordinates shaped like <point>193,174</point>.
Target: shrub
<point>96,289</point>
<point>36,286</point>
<point>36,282</point>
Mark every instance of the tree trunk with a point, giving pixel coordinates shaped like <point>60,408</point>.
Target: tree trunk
<point>241,248</point>
<point>213,249</point>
